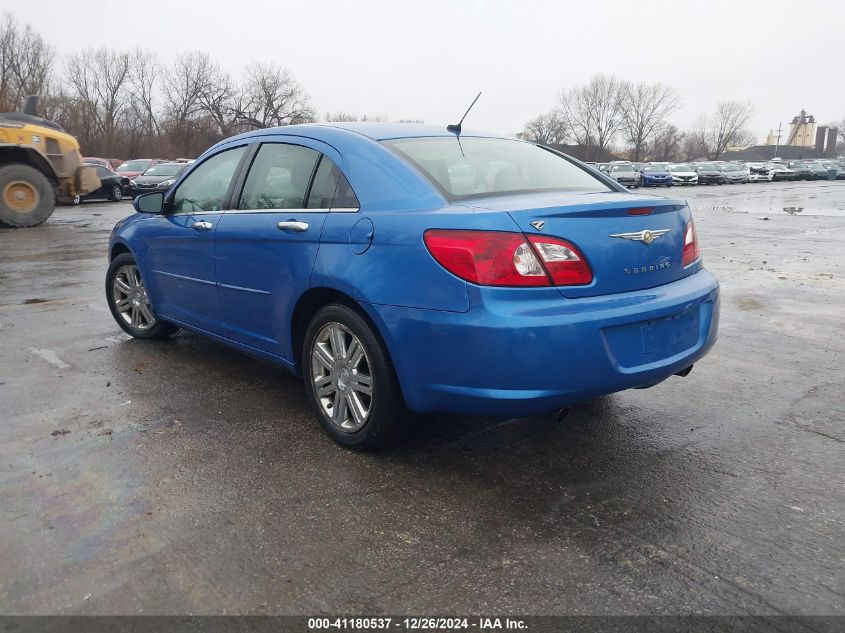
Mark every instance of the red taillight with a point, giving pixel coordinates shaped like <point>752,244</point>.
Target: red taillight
<point>565,264</point>
<point>641,211</point>
<point>492,258</point>
<point>691,250</point>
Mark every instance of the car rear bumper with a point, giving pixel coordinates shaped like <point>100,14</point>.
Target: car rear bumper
<point>511,358</point>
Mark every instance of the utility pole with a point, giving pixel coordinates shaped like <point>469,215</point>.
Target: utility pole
<point>777,144</point>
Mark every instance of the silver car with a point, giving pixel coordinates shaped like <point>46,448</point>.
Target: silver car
<point>734,173</point>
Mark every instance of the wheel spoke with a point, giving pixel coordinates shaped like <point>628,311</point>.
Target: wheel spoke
<point>354,353</point>
<point>123,304</point>
<point>323,356</point>
<point>337,342</point>
<point>121,285</point>
<point>359,414</point>
<point>134,277</point>
<point>148,315</point>
<point>324,386</point>
<point>362,383</point>
<point>339,410</point>
<point>136,316</point>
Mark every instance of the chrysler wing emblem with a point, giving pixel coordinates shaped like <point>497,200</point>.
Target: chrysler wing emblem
<point>538,224</point>
<point>646,237</point>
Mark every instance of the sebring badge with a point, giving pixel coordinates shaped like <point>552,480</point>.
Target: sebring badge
<point>646,237</point>
<point>538,224</point>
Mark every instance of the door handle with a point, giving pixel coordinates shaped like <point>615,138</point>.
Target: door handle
<point>202,226</point>
<point>291,225</point>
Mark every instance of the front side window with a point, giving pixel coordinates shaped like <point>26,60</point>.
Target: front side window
<point>471,167</point>
<point>279,177</point>
<point>205,188</point>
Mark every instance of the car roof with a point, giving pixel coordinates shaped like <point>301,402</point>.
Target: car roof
<point>377,131</point>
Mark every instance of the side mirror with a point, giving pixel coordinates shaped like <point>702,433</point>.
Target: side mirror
<point>149,202</point>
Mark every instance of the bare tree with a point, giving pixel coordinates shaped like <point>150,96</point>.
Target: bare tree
<point>547,129</point>
<point>727,123</point>
<point>26,61</point>
<point>340,116</point>
<point>270,96</point>
<point>99,80</point>
<point>594,112</point>
<point>667,143</point>
<point>646,108</point>
<point>694,144</point>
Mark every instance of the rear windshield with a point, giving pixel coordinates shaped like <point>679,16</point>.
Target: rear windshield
<point>164,169</point>
<point>490,166</point>
<point>134,165</point>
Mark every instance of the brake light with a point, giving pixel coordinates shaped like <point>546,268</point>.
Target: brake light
<point>691,250</point>
<point>493,258</point>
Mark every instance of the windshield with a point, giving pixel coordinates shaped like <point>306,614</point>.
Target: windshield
<point>615,168</point>
<point>164,169</point>
<point>731,168</point>
<point>707,167</point>
<point>654,168</point>
<point>491,166</point>
<point>677,168</point>
<point>134,165</point>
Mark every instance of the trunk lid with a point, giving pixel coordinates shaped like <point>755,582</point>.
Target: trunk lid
<point>631,261</point>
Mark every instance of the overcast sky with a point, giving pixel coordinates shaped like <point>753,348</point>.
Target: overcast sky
<point>427,59</point>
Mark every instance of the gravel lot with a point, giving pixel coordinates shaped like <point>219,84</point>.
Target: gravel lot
<point>181,477</point>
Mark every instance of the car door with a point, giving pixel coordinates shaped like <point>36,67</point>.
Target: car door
<point>180,243</point>
<point>266,247</point>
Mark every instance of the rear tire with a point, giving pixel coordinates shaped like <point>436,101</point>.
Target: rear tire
<point>26,196</point>
<point>350,380</point>
<point>127,299</point>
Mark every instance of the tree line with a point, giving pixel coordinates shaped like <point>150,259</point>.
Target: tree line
<point>607,110</point>
<point>127,104</point>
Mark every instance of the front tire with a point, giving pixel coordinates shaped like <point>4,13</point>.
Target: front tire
<point>129,303</point>
<point>350,380</point>
<point>116,193</point>
<point>26,196</point>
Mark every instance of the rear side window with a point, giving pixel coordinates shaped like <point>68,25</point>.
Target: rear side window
<point>330,189</point>
<point>205,188</point>
<point>472,167</point>
<point>279,177</point>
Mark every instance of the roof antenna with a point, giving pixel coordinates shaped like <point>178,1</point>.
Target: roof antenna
<point>457,128</point>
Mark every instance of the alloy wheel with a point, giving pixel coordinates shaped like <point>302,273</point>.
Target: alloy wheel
<point>130,298</point>
<point>341,377</point>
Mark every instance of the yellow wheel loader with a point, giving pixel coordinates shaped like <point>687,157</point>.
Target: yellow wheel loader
<point>39,163</point>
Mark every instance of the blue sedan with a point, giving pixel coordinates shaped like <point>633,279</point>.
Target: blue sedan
<point>403,267</point>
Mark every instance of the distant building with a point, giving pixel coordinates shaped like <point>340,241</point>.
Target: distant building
<point>802,131</point>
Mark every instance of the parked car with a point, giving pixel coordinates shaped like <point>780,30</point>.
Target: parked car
<point>159,177</point>
<point>683,174</point>
<point>709,174</point>
<point>135,167</point>
<point>734,173</point>
<point>361,257</point>
<point>111,187</point>
<point>759,172</point>
<point>109,163</point>
<point>779,171</point>
<point>802,170</point>
<point>840,172</point>
<point>655,175</point>
<point>624,173</point>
